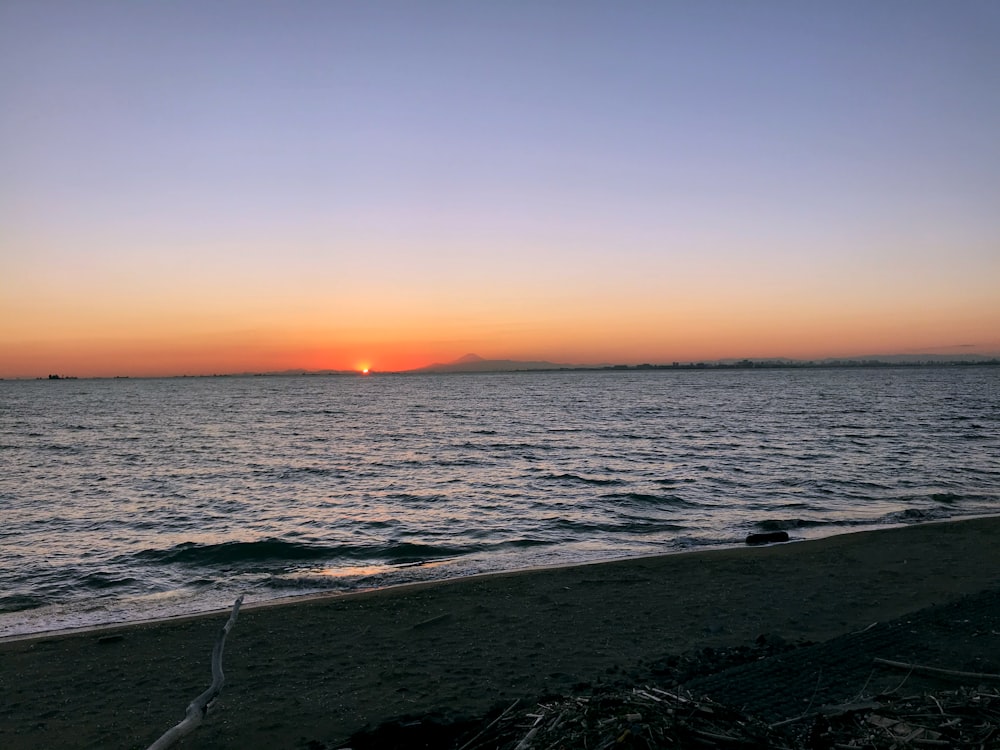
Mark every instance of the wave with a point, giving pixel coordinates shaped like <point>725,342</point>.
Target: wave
<point>278,550</point>
<point>294,472</point>
<point>519,543</point>
<point>630,526</point>
<point>20,602</point>
<point>668,482</point>
<point>576,478</point>
<point>643,498</point>
<point>61,448</point>
<point>520,446</point>
<point>788,524</point>
<point>917,515</point>
<point>947,498</point>
<point>104,580</point>
<point>40,586</point>
<point>451,462</point>
<point>906,516</point>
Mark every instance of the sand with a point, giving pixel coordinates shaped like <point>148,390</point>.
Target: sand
<point>320,669</point>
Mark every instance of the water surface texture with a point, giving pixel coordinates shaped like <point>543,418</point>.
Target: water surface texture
<point>127,499</point>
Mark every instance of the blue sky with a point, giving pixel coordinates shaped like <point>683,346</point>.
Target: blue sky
<point>260,171</point>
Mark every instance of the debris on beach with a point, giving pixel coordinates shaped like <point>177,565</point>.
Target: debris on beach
<point>602,719</point>
<point>669,703</point>
<point>962,718</point>
<point>646,717</point>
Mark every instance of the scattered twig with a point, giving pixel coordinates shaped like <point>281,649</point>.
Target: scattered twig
<point>865,629</point>
<point>819,679</point>
<point>937,672</point>
<point>527,739</point>
<point>936,703</point>
<point>490,725</point>
<point>900,685</point>
<point>432,621</point>
<point>861,692</point>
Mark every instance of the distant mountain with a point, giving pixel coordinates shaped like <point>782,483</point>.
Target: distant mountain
<point>475,363</point>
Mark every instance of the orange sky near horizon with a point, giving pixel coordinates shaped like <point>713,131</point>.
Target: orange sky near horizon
<point>332,186</point>
<point>598,329</point>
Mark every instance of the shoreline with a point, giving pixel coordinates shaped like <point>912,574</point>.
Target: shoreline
<point>323,667</point>
<point>251,604</point>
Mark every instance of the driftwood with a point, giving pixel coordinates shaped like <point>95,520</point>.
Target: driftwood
<point>198,708</point>
<point>937,672</point>
<point>489,726</point>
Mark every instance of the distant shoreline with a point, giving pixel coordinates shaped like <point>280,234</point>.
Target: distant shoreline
<point>746,364</point>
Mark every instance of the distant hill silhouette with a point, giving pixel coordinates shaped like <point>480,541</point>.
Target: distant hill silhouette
<point>475,363</point>
<point>915,358</point>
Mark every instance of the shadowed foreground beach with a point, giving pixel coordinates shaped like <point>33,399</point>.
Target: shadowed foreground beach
<point>321,669</point>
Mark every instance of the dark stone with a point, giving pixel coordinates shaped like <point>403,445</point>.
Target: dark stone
<point>769,537</point>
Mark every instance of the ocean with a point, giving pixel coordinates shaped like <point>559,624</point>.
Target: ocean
<point>131,499</point>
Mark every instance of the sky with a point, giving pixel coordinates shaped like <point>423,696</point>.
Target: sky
<point>194,187</point>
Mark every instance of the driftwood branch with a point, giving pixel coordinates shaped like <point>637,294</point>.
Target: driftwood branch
<point>934,671</point>
<point>490,725</point>
<point>198,708</point>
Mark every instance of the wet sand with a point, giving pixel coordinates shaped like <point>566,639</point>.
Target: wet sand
<point>320,669</point>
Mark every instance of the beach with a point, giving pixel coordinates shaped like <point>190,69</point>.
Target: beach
<point>318,670</point>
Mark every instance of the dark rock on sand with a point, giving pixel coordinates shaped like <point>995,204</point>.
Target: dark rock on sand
<point>768,537</point>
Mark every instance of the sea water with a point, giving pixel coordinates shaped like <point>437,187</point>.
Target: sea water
<point>127,499</point>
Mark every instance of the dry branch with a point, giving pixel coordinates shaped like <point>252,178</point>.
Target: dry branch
<point>936,672</point>
<point>198,708</point>
<point>490,725</point>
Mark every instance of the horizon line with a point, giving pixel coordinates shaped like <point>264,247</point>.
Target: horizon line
<point>456,367</point>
